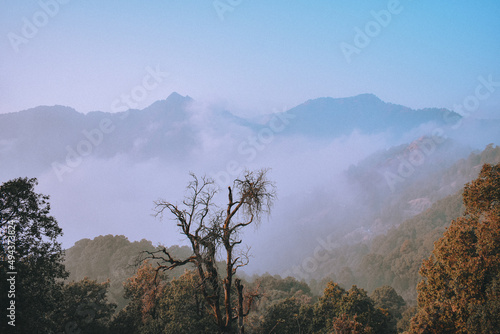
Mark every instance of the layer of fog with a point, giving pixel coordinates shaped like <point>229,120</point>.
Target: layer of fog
<point>116,195</point>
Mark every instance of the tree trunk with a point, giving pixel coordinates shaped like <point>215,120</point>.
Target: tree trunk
<point>241,325</point>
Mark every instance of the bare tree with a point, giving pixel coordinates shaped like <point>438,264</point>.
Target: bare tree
<point>213,231</point>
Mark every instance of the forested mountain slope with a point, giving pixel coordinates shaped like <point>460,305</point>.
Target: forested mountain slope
<point>394,258</point>
<point>391,259</point>
<point>114,258</point>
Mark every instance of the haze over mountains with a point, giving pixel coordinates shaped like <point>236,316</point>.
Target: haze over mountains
<point>339,164</point>
<point>175,127</point>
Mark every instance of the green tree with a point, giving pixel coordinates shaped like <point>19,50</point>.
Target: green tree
<point>127,321</point>
<point>84,307</point>
<point>183,308</point>
<point>114,258</point>
<point>338,306</point>
<point>328,307</point>
<point>386,298</point>
<point>460,276</point>
<point>29,248</point>
<point>161,306</point>
<point>356,302</point>
<point>272,290</point>
<point>406,317</point>
<point>288,316</point>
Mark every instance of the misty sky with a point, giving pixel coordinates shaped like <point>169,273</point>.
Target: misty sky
<point>253,57</point>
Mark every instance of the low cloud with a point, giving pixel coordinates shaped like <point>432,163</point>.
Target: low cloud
<point>114,193</point>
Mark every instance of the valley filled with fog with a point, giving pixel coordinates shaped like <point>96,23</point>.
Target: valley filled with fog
<point>338,165</point>
<point>234,166</point>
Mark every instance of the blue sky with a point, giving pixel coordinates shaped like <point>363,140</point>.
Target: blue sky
<point>263,56</point>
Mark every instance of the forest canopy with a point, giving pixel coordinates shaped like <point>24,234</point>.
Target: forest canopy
<point>118,286</point>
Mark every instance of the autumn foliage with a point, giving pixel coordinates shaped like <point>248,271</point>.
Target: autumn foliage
<point>460,287</point>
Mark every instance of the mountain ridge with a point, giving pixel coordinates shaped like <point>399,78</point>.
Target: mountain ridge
<point>47,133</point>
<point>365,112</point>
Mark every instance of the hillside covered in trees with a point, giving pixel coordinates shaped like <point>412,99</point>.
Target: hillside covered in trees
<point>249,167</point>
<point>112,285</point>
<point>393,258</point>
<point>112,258</point>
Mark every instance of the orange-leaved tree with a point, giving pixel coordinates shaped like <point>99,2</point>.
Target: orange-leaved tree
<point>459,293</point>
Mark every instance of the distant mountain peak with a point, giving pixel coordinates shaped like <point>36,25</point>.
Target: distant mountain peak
<point>176,97</point>
<point>327,116</point>
<point>173,107</point>
<point>364,97</point>
<point>50,109</point>
<point>174,100</point>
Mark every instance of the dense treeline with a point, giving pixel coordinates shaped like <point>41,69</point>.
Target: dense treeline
<point>459,292</point>
<point>160,305</point>
<point>390,259</point>
<point>394,258</point>
<point>112,258</point>
<point>395,189</point>
<point>460,289</point>
<point>31,271</point>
